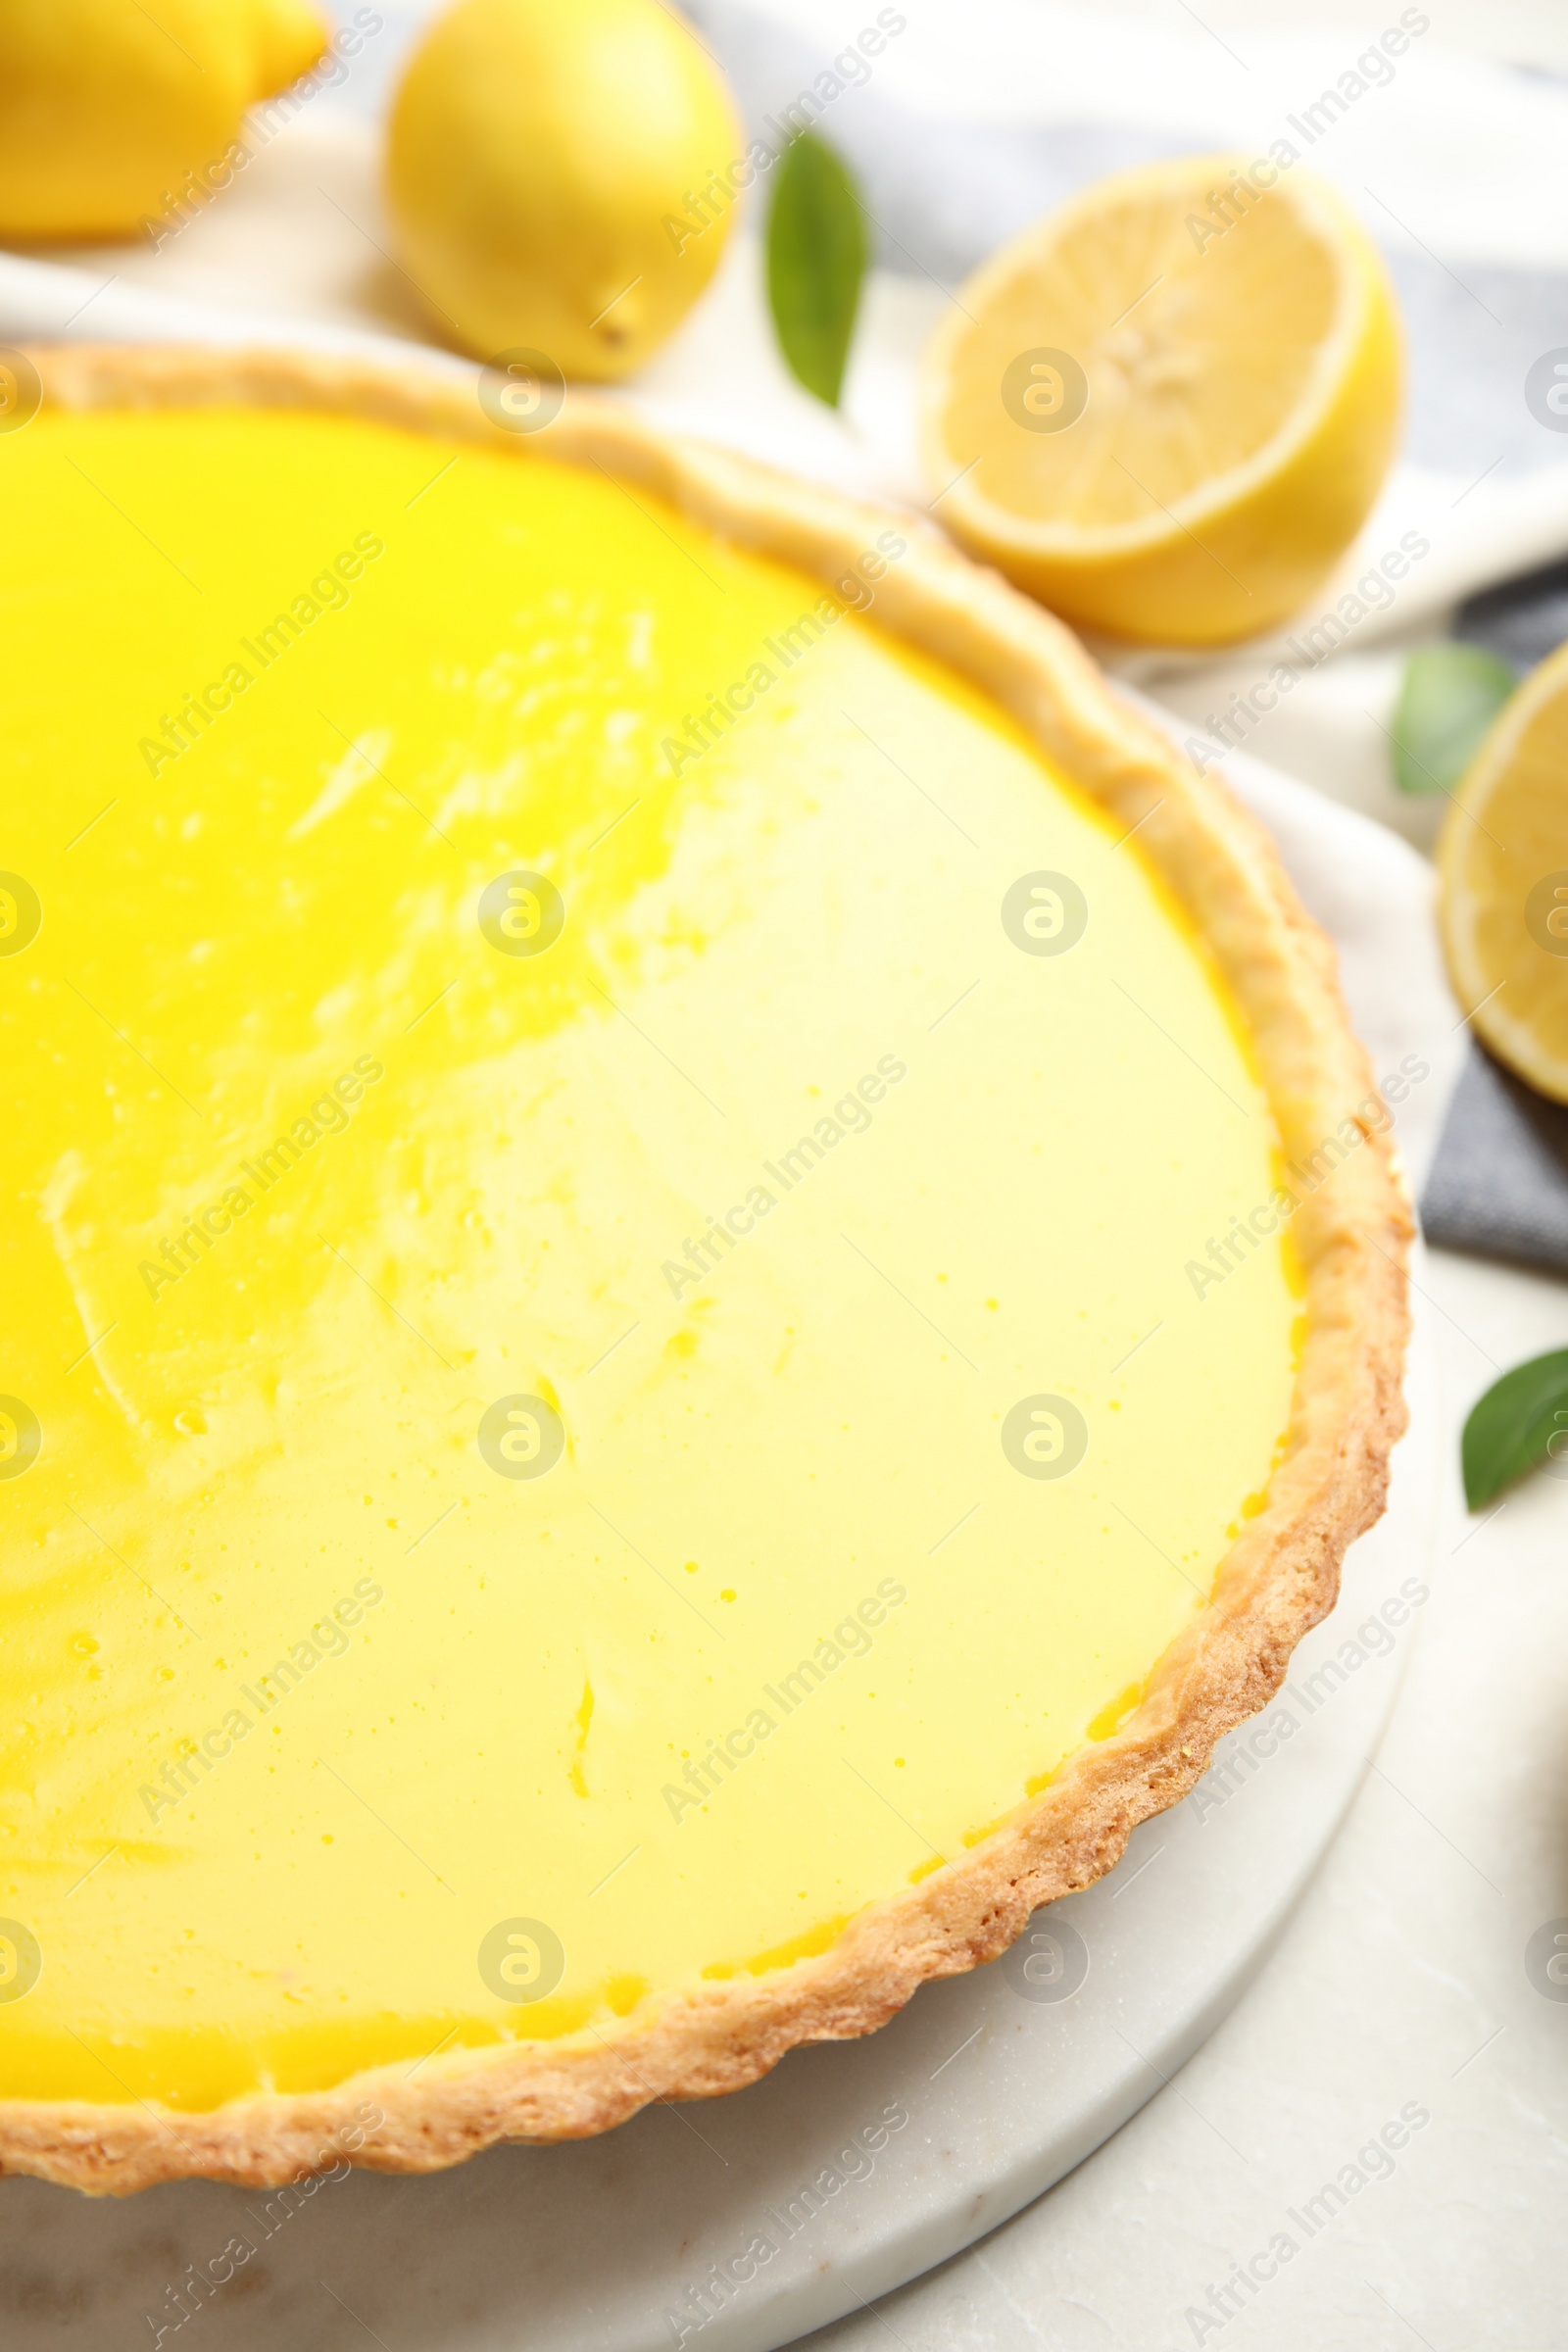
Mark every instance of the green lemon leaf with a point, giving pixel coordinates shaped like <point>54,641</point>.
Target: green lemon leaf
<point>1449,697</point>
<point>816,262</point>
<point>1520,1421</point>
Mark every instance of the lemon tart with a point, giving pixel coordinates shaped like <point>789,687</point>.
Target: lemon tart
<point>671,1347</point>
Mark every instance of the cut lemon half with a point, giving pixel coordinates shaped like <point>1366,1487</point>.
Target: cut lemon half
<point>1166,409</point>
<point>1503,861</point>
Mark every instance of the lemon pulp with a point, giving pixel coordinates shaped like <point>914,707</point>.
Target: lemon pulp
<point>353,1709</point>
<point>1167,408</point>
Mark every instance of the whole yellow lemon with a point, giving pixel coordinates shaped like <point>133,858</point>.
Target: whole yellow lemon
<point>105,106</point>
<point>540,166</point>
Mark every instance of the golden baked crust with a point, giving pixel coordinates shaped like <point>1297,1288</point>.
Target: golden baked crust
<point>1278,1578</point>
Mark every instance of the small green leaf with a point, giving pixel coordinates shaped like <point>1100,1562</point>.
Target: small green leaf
<point>816,262</point>
<point>1449,697</point>
<point>1520,1421</point>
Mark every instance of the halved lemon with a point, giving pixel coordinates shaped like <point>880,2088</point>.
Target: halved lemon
<point>1166,409</point>
<point>1503,861</point>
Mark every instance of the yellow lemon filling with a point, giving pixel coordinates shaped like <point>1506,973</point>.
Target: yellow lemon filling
<point>601,1171</point>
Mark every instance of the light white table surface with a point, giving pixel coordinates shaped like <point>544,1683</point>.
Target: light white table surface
<point>1402,1978</point>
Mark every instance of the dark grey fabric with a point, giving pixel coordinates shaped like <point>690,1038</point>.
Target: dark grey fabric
<point>1521,621</point>
<point>1498,1186</point>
